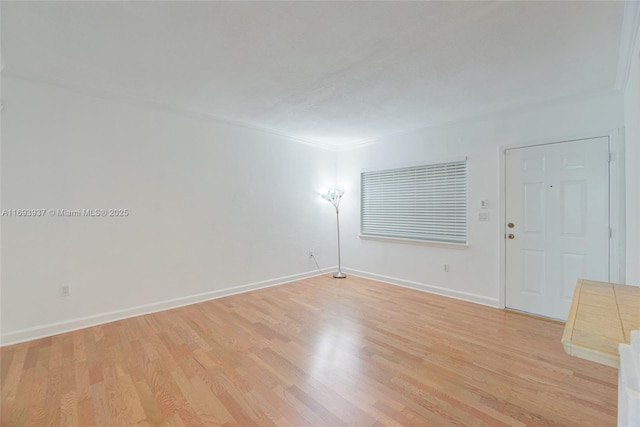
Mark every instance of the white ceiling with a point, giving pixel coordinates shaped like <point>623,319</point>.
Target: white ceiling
<point>331,73</point>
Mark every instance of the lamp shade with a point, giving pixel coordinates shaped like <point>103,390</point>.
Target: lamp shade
<point>333,195</point>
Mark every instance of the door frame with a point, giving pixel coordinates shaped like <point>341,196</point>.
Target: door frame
<point>616,203</point>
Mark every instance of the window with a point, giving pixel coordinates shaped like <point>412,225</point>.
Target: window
<point>427,202</point>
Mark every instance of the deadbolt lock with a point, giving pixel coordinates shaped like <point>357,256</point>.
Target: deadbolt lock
<point>511,236</point>
<point>510,225</point>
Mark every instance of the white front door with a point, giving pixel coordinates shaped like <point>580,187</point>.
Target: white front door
<point>557,223</point>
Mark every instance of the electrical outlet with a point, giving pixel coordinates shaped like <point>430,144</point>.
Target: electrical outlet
<point>483,216</point>
<point>310,254</point>
<point>64,291</point>
<point>445,268</point>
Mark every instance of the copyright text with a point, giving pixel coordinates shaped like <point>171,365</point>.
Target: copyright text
<point>64,213</point>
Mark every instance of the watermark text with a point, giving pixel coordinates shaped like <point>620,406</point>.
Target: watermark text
<point>47,212</point>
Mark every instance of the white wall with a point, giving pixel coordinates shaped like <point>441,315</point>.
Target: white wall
<point>212,207</point>
<point>632,144</point>
<point>204,220</point>
<point>475,271</point>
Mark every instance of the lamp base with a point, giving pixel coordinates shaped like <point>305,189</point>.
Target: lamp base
<point>339,275</point>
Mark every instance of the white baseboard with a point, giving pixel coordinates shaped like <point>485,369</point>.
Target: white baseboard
<point>464,296</point>
<point>50,329</point>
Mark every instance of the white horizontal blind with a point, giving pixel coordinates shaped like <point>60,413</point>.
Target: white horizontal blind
<point>421,202</point>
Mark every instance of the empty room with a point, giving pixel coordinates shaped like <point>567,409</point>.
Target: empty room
<point>332,213</point>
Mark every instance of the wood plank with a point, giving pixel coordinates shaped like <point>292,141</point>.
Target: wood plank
<point>314,352</point>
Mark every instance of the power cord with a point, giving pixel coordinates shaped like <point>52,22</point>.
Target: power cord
<point>314,260</point>
<point>317,266</point>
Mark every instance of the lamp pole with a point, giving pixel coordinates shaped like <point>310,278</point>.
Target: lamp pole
<point>339,274</point>
<point>333,195</point>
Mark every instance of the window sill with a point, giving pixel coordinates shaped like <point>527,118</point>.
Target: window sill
<point>458,246</point>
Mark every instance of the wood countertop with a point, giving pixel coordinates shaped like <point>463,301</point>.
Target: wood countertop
<point>602,316</point>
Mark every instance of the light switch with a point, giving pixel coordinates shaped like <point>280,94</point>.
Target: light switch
<point>483,216</point>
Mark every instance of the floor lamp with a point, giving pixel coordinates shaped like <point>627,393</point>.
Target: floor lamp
<point>333,195</point>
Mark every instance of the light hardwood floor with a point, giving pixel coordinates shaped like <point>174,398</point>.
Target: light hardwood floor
<point>318,352</point>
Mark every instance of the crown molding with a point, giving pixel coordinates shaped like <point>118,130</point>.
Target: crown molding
<point>508,111</point>
<point>156,105</point>
<point>515,108</point>
<point>628,34</point>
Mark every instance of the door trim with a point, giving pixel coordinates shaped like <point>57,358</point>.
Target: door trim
<point>616,203</point>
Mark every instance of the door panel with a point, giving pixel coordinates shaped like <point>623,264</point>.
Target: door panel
<point>557,197</point>
<point>533,209</point>
<point>533,276</point>
<point>573,265</point>
<point>573,196</point>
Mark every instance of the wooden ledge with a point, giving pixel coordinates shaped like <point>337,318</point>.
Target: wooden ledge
<point>602,316</point>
